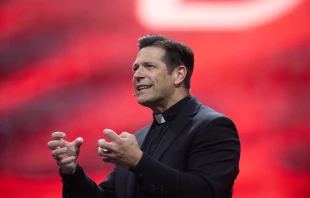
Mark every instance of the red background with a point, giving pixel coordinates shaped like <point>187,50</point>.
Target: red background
<point>66,66</point>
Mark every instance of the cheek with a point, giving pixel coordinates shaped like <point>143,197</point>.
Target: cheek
<point>162,87</point>
<point>151,79</point>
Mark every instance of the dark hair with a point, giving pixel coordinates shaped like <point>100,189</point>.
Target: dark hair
<point>177,54</point>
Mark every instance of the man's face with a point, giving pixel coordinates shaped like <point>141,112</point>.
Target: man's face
<point>151,80</point>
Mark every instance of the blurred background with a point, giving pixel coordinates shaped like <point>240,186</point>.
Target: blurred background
<point>66,66</point>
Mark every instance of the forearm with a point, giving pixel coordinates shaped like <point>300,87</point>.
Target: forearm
<point>79,185</point>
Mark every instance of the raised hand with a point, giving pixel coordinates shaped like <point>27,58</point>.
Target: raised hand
<point>65,153</point>
<point>123,150</point>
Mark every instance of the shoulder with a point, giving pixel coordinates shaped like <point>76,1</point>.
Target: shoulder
<point>211,127</point>
<point>202,114</point>
<point>208,116</point>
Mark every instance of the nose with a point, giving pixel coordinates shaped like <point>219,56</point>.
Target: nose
<point>138,75</point>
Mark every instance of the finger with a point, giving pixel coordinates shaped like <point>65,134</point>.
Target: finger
<point>55,144</point>
<point>124,135</point>
<point>112,135</point>
<point>67,160</point>
<point>104,152</point>
<point>102,143</point>
<point>78,142</point>
<point>58,135</point>
<point>57,152</point>
<point>100,152</point>
<point>107,160</point>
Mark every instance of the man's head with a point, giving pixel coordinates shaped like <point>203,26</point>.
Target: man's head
<point>162,70</point>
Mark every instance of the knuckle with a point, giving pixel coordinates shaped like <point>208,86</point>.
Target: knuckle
<point>59,151</point>
<point>60,162</point>
<point>62,143</point>
<point>101,142</point>
<point>56,156</point>
<point>64,161</point>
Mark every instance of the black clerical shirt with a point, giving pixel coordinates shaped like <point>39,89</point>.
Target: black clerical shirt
<point>161,124</point>
<point>159,128</point>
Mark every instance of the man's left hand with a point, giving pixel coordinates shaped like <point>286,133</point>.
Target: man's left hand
<point>123,149</point>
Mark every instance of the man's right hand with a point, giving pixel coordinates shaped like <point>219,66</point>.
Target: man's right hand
<point>65,153</point>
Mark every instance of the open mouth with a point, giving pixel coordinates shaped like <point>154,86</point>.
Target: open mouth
<point>142,87</point>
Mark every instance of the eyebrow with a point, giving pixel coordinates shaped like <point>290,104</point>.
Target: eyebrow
<point>143,63</point>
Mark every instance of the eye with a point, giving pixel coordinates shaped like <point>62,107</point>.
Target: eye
<point>149,66</point>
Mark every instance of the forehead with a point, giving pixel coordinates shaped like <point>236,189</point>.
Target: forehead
<point>150,54</point>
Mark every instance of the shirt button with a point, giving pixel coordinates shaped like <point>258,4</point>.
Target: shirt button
<point>141,174</point>
<point>162,191</point>
<point>152,187</point>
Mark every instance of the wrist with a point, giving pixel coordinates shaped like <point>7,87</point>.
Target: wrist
<point>66,171</point>
<point>138,158</point>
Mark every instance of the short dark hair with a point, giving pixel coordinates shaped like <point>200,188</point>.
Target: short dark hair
<point>177,54</point>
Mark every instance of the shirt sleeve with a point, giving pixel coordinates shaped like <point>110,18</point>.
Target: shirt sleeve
<point>79,185</point>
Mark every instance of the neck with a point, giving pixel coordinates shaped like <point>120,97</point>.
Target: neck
<point>166,104</point>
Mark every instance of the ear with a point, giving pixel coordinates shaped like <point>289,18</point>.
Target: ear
<point>179,75</point>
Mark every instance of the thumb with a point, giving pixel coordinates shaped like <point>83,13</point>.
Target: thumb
<point>78,142</point>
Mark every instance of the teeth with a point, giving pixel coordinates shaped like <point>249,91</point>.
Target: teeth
<point>144,87</point>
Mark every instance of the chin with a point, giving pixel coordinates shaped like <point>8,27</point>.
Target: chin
<point>144,101</point>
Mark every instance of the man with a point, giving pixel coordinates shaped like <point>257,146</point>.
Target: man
<point>188,151</point>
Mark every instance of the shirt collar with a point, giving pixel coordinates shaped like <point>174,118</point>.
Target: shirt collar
<point>172,112</point>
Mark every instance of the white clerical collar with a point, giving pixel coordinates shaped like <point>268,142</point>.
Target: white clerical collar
<point>159,119</point>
